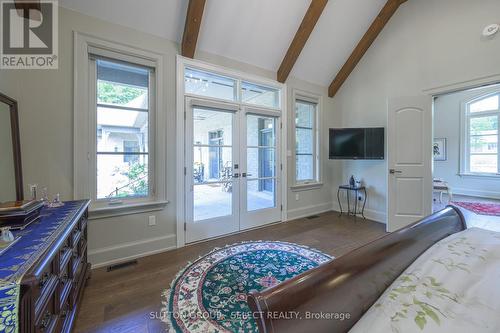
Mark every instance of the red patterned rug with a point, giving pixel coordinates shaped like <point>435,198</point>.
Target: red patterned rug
<point>481,208</point>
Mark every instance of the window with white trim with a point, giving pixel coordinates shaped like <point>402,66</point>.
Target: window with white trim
<point>481,137</point>
<point>122,110</point>
<point>306,140</point>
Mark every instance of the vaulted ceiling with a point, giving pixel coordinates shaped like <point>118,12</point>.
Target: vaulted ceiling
<point>256,32</point>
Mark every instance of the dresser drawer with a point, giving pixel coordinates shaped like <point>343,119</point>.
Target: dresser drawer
<point>44,285</point>
<point>48,320</point>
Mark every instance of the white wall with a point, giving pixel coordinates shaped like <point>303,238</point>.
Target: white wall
<point>426,44</point>
<point>46,123</point>
<point>447,111</point>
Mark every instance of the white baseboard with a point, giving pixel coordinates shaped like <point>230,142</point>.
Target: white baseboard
<point>132,250</point>
<point>298,213</point>
<point>370,214</point>
<point>477,193</point>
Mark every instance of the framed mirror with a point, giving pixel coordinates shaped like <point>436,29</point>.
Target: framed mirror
<point>11,179</point>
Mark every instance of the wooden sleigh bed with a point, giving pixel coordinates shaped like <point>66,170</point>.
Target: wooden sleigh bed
<point>352,283</point>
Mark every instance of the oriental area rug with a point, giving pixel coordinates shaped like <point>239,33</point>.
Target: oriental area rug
<point>481,208</point>
<point>210,294</point>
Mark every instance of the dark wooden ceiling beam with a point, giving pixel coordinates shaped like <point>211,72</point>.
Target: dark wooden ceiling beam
<point>192,27</point>
<point>306,27</point>
<point>364,44</point>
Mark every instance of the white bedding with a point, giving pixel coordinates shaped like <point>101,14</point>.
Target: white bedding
<point>453,287</point>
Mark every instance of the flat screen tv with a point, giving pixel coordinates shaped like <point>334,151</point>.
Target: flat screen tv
<point>357,143</point>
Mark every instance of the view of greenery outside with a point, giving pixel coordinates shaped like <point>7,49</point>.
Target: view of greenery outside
<point>134,180</point>
<point>484,132</point>
<point>112,93</point>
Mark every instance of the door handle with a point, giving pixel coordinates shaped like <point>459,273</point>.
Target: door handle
<point>244,174</point>
<point>236,175</point>
<point>393,171</point>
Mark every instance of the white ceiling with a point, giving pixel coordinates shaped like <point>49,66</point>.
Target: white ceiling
<point>256,32</point>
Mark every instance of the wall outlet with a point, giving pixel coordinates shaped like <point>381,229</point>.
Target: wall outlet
<point>152,220</point>
<point>297,197</point>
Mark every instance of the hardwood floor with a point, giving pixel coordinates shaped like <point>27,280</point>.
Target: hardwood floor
<point>122,300</point>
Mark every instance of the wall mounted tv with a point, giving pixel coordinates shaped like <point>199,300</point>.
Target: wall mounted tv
<point>357,143</point>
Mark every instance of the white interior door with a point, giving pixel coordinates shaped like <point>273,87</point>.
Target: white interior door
<point>260,199</point>
<point>409,146</point>
<point>212,182</point>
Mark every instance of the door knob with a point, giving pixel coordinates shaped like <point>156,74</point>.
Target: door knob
<point>393,171</point>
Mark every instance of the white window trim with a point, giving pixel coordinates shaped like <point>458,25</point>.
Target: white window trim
<point>318,156</point>
<point>182,63</point>
<point>464,135</point>
<point>84,131</point>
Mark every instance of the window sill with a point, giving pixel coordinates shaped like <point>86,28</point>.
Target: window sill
<point>306,187</point>
<point>96,213</point>
<point>479,175</point>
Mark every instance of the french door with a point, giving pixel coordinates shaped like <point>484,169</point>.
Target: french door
<point>232,161</point>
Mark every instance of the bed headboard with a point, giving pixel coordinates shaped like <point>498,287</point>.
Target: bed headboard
<point>348,285</point>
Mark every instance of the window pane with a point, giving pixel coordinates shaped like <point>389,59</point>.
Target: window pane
<point>487,104</point>
<point>211,201</point>
<point>118,178</point>
<point>260,131</point>
<point>260,95</point>
<point>304,114</point>
<point>484,125</point>
<point>212,127</point>
<point>122,84</point>
<point>261,162</point>
<point>484,163</point>
<point>212,164</point>
<point>304,169</point>
<point>210,85</point>
<point>261,194</point>
<point>304,141</point>
<point>484,144</point>
<point>121,130</point>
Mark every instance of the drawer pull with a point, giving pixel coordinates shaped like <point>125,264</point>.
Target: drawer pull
<point>45,320</point>
<point>43,280</point>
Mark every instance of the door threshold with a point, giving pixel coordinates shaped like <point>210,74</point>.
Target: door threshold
<point>233,233</point>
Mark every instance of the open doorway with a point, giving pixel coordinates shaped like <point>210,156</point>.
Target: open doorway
<point>466,165</point>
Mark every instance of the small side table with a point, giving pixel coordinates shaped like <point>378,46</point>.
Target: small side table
<point>356,190</point>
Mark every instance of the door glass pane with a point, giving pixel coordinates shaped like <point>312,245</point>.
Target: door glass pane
<point>484,163</point>
<point>212,200</point>
<point>212,163</point>
<point>212,127</point>
<point>261,162</point>
<point>207,84</point>
<point>484,125</point>
<point>122,84</point>
<point>304,167</point>
<point>260,95</point>
<point>261,131</point>
<point>261,194</point>
<point>122,175</point>
<point>487,104</point>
